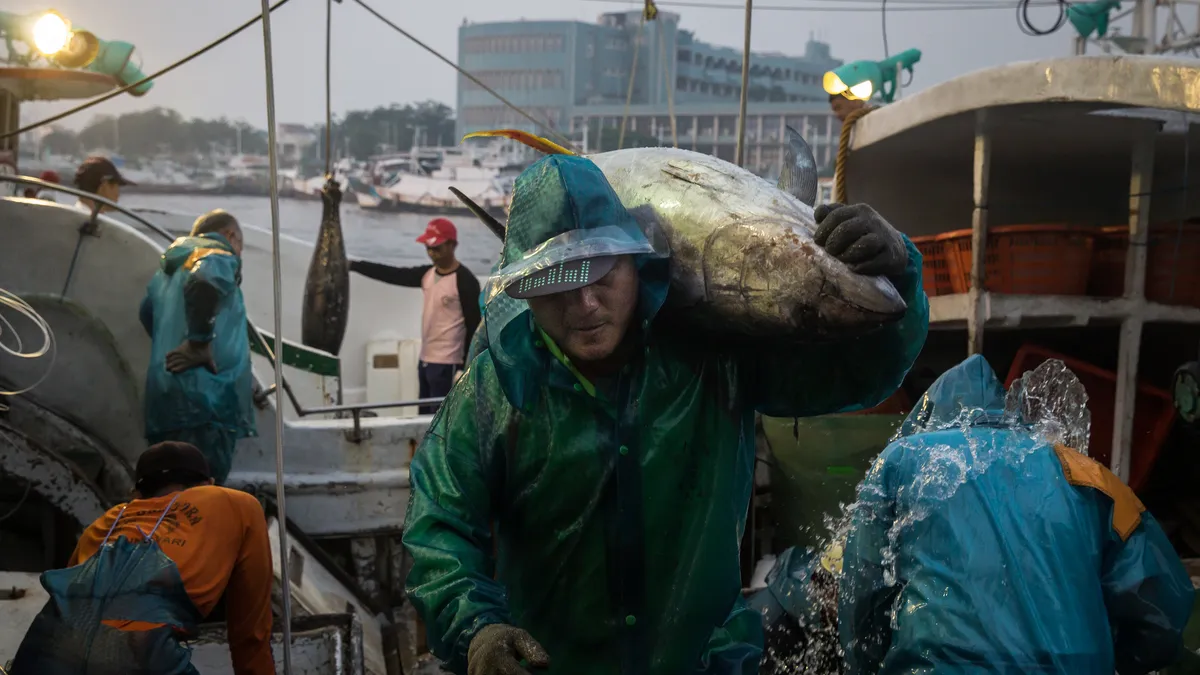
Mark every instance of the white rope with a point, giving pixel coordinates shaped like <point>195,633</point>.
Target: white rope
<point>12,302</point>
<point>280,496</point>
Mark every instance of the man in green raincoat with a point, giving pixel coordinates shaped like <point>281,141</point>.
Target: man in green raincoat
<point>579,500</point>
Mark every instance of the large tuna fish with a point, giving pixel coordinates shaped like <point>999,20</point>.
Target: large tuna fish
<point>743,259</point>
<point>327,287</point>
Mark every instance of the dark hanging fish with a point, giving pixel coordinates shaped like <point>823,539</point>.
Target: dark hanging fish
<point>327,288</point>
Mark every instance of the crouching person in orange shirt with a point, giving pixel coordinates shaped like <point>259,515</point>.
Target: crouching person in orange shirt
<point>145,574</point>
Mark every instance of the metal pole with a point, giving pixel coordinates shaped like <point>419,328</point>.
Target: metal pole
<point>1130,345</point>
<point>741,128</point>
<point>977,296</point>
<point>280,496</point>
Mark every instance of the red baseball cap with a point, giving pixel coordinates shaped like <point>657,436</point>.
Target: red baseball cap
<point>50,176</point>
<point>438,232</point>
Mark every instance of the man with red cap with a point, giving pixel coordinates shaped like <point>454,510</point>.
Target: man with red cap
<point>49,176</point>
<point>450,313</point>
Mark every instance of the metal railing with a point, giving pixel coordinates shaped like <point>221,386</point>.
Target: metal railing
<point>354,410</point>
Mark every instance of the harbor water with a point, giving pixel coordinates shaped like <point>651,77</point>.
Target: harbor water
<point>381,237</point>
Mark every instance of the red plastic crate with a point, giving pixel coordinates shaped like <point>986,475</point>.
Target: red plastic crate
<point>1024,259</point>
<point>935,276</point>
<point>1153,415</point>
<point>1172,272</point>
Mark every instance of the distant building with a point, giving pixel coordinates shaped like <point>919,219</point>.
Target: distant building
<point>576,76</point>
<point>292,141</point>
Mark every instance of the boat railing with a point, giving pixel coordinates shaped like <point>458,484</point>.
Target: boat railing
<point>259,344</point>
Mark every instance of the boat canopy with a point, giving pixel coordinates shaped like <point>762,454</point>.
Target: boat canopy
<point>1061,133</point>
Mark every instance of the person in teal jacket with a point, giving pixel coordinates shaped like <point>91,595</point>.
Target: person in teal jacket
<point>199,386</point>
<point>980,545</point>
<point>579,499</point>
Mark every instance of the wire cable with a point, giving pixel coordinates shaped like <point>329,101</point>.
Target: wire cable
<point>544,125</point>
<point>113,94</point>
<point>922,6</point>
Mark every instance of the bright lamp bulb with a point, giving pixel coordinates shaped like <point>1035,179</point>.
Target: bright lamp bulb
<point>51,33</point>
<point>862,90</point>
<point>833,84</point>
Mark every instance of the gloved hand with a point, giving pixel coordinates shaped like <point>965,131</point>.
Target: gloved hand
<point>858,236</point>
<point>191,355</point>
<point>499,649</point>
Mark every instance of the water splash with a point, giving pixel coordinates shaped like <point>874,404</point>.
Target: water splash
<point>1048,402</point>
<point>1052,399</point>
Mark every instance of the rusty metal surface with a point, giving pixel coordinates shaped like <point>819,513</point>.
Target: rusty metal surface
<point>111,472</point>
<point>51,476</point>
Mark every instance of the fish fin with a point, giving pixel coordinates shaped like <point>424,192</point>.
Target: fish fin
<point>495,226</point>
<point>799,175</point>
<point>534,141</point>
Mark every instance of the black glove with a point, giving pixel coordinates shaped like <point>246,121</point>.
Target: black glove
<point>858,236</point>
<point>499,649</point>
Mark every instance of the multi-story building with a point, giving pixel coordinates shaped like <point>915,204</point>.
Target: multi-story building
<point>576,77</point>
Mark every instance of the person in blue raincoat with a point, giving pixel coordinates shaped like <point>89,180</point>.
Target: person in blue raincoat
<point>580,497</point>
<point>199,385</point>
<point>979,546</point>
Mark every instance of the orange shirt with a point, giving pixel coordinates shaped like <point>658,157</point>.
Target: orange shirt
<point>218,539</point>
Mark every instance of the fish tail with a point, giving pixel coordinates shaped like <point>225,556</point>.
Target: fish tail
<point>532,140</point>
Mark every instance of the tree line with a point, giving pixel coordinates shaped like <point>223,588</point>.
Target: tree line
<point>163,132</point>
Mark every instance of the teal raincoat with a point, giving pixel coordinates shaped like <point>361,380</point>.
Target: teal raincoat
<point>1001,561</point>
<point>198,398</point>
<point>606,520</point>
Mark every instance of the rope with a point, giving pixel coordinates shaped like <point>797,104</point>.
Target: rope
<point>839,172</point>
<point>113,94</point>
<point>328,88</point>
<point>566,142</point>
<point>662,44</point>
<point>637,47</point>
<point>277,273</point>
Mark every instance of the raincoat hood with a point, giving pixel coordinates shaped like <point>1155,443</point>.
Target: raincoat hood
<point>182,248</point>
<point>563,209</point>
<point>971,385</point>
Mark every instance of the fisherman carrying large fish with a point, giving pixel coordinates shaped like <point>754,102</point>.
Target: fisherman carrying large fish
<point>578,502</point>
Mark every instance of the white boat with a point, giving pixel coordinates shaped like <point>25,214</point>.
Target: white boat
<point>420,181</point>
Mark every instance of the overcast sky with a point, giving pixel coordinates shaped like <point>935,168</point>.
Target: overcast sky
<point>372,65</point>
